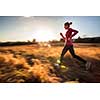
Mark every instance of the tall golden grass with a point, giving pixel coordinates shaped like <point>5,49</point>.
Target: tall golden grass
<point>20,64</point>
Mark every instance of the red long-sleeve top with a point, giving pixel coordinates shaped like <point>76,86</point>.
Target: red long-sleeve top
<point>68,36</point>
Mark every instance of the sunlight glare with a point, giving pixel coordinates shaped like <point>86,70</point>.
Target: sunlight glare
<point>44,35</point>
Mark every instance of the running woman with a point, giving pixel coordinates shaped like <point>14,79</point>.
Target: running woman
<point>69,45</point>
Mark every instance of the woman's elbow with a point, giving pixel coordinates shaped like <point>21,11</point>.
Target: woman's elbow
<point>77,31</point>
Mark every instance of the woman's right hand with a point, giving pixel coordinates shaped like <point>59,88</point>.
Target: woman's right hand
<point>61,34</point>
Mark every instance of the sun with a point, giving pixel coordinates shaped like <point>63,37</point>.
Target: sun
<point>43,35</point>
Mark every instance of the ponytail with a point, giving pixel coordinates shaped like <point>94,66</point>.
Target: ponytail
<point>70,23</point>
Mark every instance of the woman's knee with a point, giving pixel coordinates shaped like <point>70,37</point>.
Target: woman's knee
<point>74,56</point>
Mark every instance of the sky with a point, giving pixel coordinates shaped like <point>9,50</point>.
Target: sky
<point>44,28</point>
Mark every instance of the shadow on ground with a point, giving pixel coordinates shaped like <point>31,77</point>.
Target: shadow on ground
<point>76,71</point>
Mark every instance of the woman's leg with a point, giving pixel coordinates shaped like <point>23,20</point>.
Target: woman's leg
<point>65,49</point>
<point>71,49</point>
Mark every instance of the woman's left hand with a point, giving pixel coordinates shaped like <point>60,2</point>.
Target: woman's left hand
<point>69,39</point>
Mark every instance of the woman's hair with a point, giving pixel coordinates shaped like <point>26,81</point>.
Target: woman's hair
<point>68,23</point>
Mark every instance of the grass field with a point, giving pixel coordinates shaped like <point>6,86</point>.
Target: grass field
<point>35,63</point>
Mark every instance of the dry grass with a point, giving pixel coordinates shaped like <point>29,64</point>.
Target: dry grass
<point>36,64</point>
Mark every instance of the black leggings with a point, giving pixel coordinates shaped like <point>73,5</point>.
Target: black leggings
<point>72,52</point>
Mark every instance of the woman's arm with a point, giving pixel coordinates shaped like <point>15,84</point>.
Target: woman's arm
<point>75,32</point>
<point>62,36</point>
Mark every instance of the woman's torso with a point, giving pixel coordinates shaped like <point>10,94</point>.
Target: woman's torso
<point>68,39</point>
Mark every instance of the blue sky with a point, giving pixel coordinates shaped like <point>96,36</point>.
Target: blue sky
<point>22,28</point>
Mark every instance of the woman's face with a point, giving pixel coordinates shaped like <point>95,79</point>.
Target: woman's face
<point>66,26</point>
